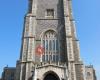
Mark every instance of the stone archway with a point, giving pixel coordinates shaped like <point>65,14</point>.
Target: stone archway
<point>51,76</point>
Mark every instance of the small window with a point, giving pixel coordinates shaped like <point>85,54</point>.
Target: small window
<point>50,13</point>
<point>88,74</point>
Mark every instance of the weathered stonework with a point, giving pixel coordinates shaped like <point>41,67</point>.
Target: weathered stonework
<point>57,36</point>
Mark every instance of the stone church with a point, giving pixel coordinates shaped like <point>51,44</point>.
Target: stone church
<point>50,48</point>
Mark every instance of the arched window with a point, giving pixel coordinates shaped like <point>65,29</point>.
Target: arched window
<point>51,46</point>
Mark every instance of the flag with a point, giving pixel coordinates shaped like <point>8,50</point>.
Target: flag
<point>39,50</point>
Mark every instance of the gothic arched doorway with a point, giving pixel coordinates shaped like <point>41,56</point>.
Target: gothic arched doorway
<point>51,76</point>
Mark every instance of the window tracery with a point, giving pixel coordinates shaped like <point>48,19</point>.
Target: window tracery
<point>50,43</point>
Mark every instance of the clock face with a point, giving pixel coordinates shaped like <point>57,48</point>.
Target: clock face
<point>39,50</point>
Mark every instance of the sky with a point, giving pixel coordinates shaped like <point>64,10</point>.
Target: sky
<point>86,15</point>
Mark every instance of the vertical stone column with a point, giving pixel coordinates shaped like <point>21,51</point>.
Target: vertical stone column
<point>77,65</point>
<point>68,30</point>
<point>69,38</point>
<point>31,45</point>
<point>27,56</point>
<point>68,34</point>
<point>31,48</point>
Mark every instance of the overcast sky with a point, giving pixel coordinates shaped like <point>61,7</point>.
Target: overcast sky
<point>86,14</point>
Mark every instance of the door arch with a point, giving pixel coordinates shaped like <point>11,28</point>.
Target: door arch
<point>51,76</point>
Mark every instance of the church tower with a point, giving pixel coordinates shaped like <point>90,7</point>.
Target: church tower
<point>50,48</point>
